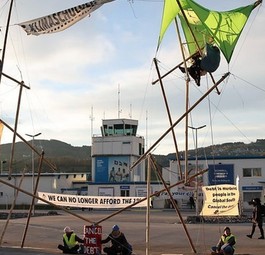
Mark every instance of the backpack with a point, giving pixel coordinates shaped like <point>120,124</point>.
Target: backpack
<point>262,209</point>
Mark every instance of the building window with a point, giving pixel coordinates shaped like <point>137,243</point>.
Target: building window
<point>125,193</point>
<point>251,172</point>
<point>249,196</point>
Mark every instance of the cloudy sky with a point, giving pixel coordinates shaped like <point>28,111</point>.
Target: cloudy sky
<point>102,68</point>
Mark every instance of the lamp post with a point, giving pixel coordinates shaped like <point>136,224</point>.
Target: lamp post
<point>32,165</point>
<point>196,158</point>
<point>2,165</point>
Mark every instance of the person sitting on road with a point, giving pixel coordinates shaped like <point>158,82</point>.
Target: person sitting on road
<point>226,244</point>
<point>119,243</point>
<point>71,242</point>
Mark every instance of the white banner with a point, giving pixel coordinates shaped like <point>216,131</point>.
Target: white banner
<point>90,201</point>
<point>220,200</point>
<point>59,21</point>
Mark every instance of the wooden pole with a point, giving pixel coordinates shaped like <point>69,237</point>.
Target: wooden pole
<point>53,167</point>
<point>147,222</point>
<point>152,195</point>
<point>173,203</point>
<point>188,24</point>
<point>15,131</point>
<point>5,39</point>
<point>45,201</point>
<point>11,209</point>
<point>186,101</point>
<point>15,80</point>
<point>33,200</point>
<point>169,117</point>
<point>178,121</point>
<point>174,68</point>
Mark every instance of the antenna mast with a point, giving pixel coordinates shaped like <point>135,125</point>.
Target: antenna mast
<point>130,114</point>
<point>146,135</point>
<point>119,103</point>
<point>91,119</point>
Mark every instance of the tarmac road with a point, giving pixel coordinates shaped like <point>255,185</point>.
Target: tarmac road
<point>167,234</point>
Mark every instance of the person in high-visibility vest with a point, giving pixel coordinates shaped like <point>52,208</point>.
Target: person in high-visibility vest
<point>226,244</point>
<point>70,242</point>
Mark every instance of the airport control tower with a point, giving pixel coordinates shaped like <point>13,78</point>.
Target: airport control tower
<point>115,151</point>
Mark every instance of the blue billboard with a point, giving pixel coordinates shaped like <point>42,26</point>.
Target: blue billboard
<point>112,169</point>
<point>221,174</point>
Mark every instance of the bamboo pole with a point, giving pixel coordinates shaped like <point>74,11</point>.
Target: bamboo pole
<point>53,167</point>
<point>174,68</point>
<point>169,117</point>
<point>188,24</point>
<point>32,201</point>
<point>174,204</point>
<point>45,201</point>
<point>15,80</point>
<point>11,209</point>
<point>186,101</point>
<point>178,121</point>
<point>15,131</point>
<point>147,222</point>
<point>5,39</point>
<point>152,195</point>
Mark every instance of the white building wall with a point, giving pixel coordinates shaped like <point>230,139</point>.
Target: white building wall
<point>47,183</point>
<point>249,187</point>
<point>116,145</point>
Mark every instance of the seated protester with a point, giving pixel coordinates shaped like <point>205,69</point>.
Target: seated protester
<point>228,251</point>
<point>119,243</point>
<point>71,242</point>
<point>208,63</point>
<point>226,244</point>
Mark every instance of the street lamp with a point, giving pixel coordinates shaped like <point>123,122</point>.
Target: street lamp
<point>32,165</point>
<point>2,165</point>
<point>196,157</point>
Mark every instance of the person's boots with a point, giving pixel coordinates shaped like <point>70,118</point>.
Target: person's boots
<point>182,69</point>
<point>262,234</point>
<point>61,247</point>
<point>252,232</point>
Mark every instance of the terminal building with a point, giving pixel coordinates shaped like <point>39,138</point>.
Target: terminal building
<point>113,153</point>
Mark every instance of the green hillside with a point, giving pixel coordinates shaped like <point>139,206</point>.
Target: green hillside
<point>68,158</point>
<point>65,157</point>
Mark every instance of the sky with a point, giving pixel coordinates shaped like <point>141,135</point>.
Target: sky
<point>102,68</point>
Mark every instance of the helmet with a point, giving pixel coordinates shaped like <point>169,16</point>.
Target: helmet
<point>227,228</point>
<point>115,228</point>
<point>67,229</point>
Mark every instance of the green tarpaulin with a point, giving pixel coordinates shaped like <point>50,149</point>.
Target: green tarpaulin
<point>223,27</point>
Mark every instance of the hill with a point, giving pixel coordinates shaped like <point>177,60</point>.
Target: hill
<point>68,158</point>
<point>65,157</point>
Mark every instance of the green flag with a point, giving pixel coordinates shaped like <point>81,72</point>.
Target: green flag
<point>224,27</point>
<point>198,31</point>
<point>171,10</point>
